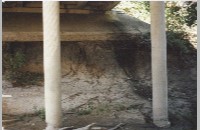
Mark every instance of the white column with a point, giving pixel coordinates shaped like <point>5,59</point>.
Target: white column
<point>159,64</point>
<point>52,64</point>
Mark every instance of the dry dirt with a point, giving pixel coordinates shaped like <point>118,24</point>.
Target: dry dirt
<point>106,83</point>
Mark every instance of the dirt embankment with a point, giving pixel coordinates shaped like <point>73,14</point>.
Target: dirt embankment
<point>109,77</point>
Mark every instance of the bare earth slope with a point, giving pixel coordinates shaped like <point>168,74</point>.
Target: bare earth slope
<point>106,83</point>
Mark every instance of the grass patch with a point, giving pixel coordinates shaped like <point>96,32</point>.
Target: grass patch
<point>82,112</point>
<point>40,113</point>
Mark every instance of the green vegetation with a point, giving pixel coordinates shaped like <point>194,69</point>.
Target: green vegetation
<point>120,107</point>
<point>102,108</point>
<point>179,27</point>
<point>99,109</point>
<point>81,112</point>
<point>180,22</point>
<point>19,78</point>
<point>40,113</point>
<point>138,9</point>
<point>13,60</point>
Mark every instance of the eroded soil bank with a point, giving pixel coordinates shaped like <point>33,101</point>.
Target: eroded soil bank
<point>103,82</point>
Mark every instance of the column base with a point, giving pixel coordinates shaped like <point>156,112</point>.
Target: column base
<point>162,123</point>
<point>50,127</point>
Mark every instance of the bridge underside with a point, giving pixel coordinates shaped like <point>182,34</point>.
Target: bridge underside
<point>25,27</point>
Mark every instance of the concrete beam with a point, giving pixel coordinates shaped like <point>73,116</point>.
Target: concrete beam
<point>69,36</point>
<point>39,10</point>
<point>74,27</point>
<point>82,4</point>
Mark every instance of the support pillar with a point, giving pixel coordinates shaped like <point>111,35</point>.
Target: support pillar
<point>159,64</point>
<point>52,64</point>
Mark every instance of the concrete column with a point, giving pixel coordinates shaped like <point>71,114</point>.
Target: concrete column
<point>52,64</point>
<point>159,64</point>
